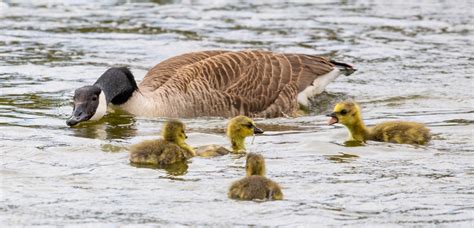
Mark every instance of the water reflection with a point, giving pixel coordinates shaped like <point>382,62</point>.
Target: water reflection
<point>353,143</point>
<point>115,125</point>
<point>175,169</point>
<point>36,101</point>
<point>113,148</point>
<point>342,157</point>
<point>279,127</point>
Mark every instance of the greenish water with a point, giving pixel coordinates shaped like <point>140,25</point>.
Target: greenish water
<point>414,60</point>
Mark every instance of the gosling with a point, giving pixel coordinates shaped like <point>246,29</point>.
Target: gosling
<point>238,129</point>
<point>255,185</point>
<point>348,113</point>
<point>168,150</point>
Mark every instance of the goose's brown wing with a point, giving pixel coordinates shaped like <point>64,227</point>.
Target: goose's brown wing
<point>253,83</point>
<point>167,69</point>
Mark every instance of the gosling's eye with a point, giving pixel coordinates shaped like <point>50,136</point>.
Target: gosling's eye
<point>250,125</point>
<point>343,112</point>
<point>182,131</point>
<point>94,98</point>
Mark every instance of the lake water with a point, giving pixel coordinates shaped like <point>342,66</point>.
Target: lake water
<point>415,62</point>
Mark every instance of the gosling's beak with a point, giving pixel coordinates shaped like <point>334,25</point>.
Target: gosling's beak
<point>78,116</point>
<point>333,119</point>
<point>257,130</point>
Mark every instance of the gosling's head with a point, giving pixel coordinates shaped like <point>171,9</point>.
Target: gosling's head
<point>255,165</point>
<point>346,113</point>
<point>241,127</point>
<point>174,131</point>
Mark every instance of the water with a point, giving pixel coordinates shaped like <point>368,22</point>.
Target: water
<point>414,60</point>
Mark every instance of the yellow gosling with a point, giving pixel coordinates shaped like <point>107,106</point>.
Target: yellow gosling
<point>255,185</point>
<point>238,129</point>
<point>348,113</point>
<point>171,149</point>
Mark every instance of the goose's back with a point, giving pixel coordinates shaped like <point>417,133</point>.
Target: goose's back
<point>163,71</point>
<point>227,83</point>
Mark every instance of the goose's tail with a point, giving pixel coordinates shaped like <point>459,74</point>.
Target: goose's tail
<point>345,68</point>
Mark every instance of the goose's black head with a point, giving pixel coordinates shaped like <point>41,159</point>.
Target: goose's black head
<point>116,86</point>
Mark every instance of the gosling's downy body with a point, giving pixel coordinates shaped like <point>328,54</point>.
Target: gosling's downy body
<point>168,150</point>
<point>255,185</point>
<point>238,129</point>
<point>348,113</point>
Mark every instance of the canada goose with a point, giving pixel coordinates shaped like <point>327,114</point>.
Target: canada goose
<point>238,129</point>
<point>212,83</point>
<point>348,113</point>
<point>255,185</point>
<point>168,150</point>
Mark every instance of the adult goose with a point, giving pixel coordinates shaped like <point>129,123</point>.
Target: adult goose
<point>212,83</point>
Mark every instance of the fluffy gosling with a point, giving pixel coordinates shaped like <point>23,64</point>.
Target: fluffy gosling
<point>168,150</point>
<point>238,129</point>
<point>255,185</point>
<point>348,113</point>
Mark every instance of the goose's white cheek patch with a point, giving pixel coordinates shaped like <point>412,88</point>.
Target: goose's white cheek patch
<point>101,108</point>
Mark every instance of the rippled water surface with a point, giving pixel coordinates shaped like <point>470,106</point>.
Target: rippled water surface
<point>415,63</point>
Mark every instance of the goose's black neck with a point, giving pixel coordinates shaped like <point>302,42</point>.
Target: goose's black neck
<point>118,85</point>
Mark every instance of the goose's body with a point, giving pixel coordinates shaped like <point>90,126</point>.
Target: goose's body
<point>217,83</point>
<point>255,185</point>
<point>237,130</point>
<point>168,150</point>
<point>348,113</point>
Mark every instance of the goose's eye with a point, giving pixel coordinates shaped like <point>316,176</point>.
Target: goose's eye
<point>94,98</point>
<point>343,112</point>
